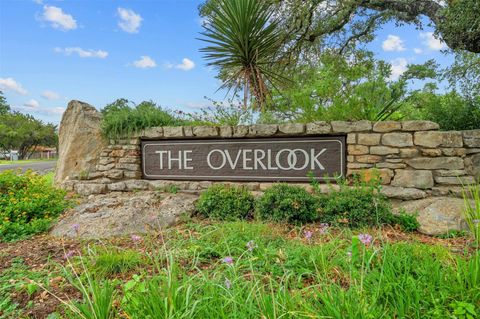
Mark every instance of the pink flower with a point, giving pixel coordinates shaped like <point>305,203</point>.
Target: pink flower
<point>76,227</point>
<point>366,239</point>
<point>251,245</point>
<point>308,234</point>
<point>228,260</point>
<point>324,228</point>
<point>69,254</point>
<point>136,238</point>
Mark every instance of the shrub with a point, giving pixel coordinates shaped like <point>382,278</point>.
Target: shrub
<point>360,205</point>
<point>28,204</point>
<point>120,119</point>
<point>407,222</point>
<point>286,203</point>
<point>226,202</point>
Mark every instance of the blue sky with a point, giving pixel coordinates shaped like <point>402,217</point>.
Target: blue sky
<point>53,51</point>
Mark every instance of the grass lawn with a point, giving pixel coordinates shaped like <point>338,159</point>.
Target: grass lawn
<point>8,162</point>
<point>204,269</point>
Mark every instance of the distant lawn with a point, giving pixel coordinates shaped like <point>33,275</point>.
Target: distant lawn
<point>8,162</point>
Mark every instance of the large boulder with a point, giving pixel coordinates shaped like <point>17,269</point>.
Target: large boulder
<point>436,215</point>
<point>80,140</point>
<point>120,214</point>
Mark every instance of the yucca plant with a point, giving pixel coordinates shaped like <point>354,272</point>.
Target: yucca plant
<point>243,43</point>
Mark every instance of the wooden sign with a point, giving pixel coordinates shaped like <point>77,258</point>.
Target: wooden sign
<point>256,159</point>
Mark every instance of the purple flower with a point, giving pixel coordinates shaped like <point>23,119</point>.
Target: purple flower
<point>251,245</point>
<point>308,234</point>
<point>69,254</point>
<point>365,238</point>
<point>136,238</point>
<point>228,260</point>
<point>228,283</point>
<point>324,228</point>
<point>75,227</point>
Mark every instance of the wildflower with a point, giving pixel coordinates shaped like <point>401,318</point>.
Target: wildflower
<point>69,254</point>
<point>76,227</point>
<point>228,260</point>
<point>324,228</point>
<point>365,238</point>
<point>308,234</point>
<point>476,221</point>
<point>349,254</point>
<point>228,283</point>
<point>251,245</point>
<point>136,238</point>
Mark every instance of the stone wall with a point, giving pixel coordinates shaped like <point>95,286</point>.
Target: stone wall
<point>414,159</point>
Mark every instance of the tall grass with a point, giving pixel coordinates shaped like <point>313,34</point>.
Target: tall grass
<point>122,118</point>
<point>284,275</point>
<point>471,193</point>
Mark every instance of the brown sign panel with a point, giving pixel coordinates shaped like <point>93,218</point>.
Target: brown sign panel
<point>256,159</point>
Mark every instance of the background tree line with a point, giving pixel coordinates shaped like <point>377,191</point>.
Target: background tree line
<point>23,132</point>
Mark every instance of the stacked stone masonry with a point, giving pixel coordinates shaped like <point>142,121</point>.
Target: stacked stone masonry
<point>414,159</point>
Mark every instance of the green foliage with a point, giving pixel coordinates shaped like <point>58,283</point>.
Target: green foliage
<point>243,40</point>
<point>23,132</point>
<point>472,211</point>
<point>407,222</point>
<point>360,205</point>
<point>112,261</point>
<point>28,204</point>
<point>4,107</point>
<point>226,202</point>
<point>463,310</point>
<point>286,203</point>
<point>122,119</point>
<point>220,113</point>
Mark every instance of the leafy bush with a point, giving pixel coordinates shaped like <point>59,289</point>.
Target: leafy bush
<point>287,203</point>
<point>360,205</point>
<point>407,222</point>
<point>28,204</point>
<point>120,119</point>
<point>226,202</point>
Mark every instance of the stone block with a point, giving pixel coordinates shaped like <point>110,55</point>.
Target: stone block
<point>387,126</point>
<point>205,131</point>
<point>436,163</point>
<point>172,131</point>
<point>86,189</point>
<point>453,172</point>
<point>357,149</point>
<point>292,128</point>
<point>413,178</point>
<point>117,187</point>
<point>262,129</point>
<point>128,167</point>
<point>347,127</point>
<point>106,160</point>
<point>130,160</point>
<point>369,138</point>
<point>397,139</point>
<point>419,126</point>
<point>436,139</point>
<point>433,152</point>
<point>188,131</point>
<point>358,165</point>
<point>107,167</point>
<point>368,158</point>
<point>226,131</point>
<point>351,138</point>
<point>133,185</point>
<point>114,174</point>
<point>471,138</point>
<point>403,193</point>
<point>320,127</point>
<point>454,151</point>
<point>384,174</point>
<point>458,180</point>
<point>132,174</point>
<point>383,150</point>
<point>117,153</point>
<point>409,152</point>
<point>240,131</point>
<point>391,165</point>
<point>153,132</point>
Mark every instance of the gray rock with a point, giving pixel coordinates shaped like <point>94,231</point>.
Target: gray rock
<point>347,127</point>
<point>408,152</point>
<point>240,131</point>
<point>153,132</point>
<point>458,180</point>
<point>86,189</point>
<point>117,187</point>
<point>205,131</point>
<point>133,185</point>
<point>226,131</point>
<point>320,127</point>
<point>453,172</point>
<point>419,126</point>
<point>413,178</point>
<point>263,129</point>
<point>472,165</point>
<point>120,214</point>
<point>397,139</point>
<point>471,138</point>
<point>351,138</point>
<point>369,138</point>
<point>129,167</point>
<point>436,139</point>
<point>292,128</point>
<point>383,150</point>
<point>80,140</point>
<point>436,163</point>
<point>437,215</point>
<point>403,193</point>
<point>173,131</point>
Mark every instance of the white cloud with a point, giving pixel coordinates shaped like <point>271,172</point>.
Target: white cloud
<point>129,20</point>
<point>58,19</point>
<point>393,43</point>
<point>431,42</point>
<point>418,51</point>
<point>50,95</point>
<point>399,66</point>
<point>31,103</point>
<point>186,65</point>
<point>49,111</point>
<point>9,84</point>
<point>83,53</point>
<point>145,62</point>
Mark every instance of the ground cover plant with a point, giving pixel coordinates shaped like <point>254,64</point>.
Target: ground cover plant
<point>250,269</point>
<point>28,204</point>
